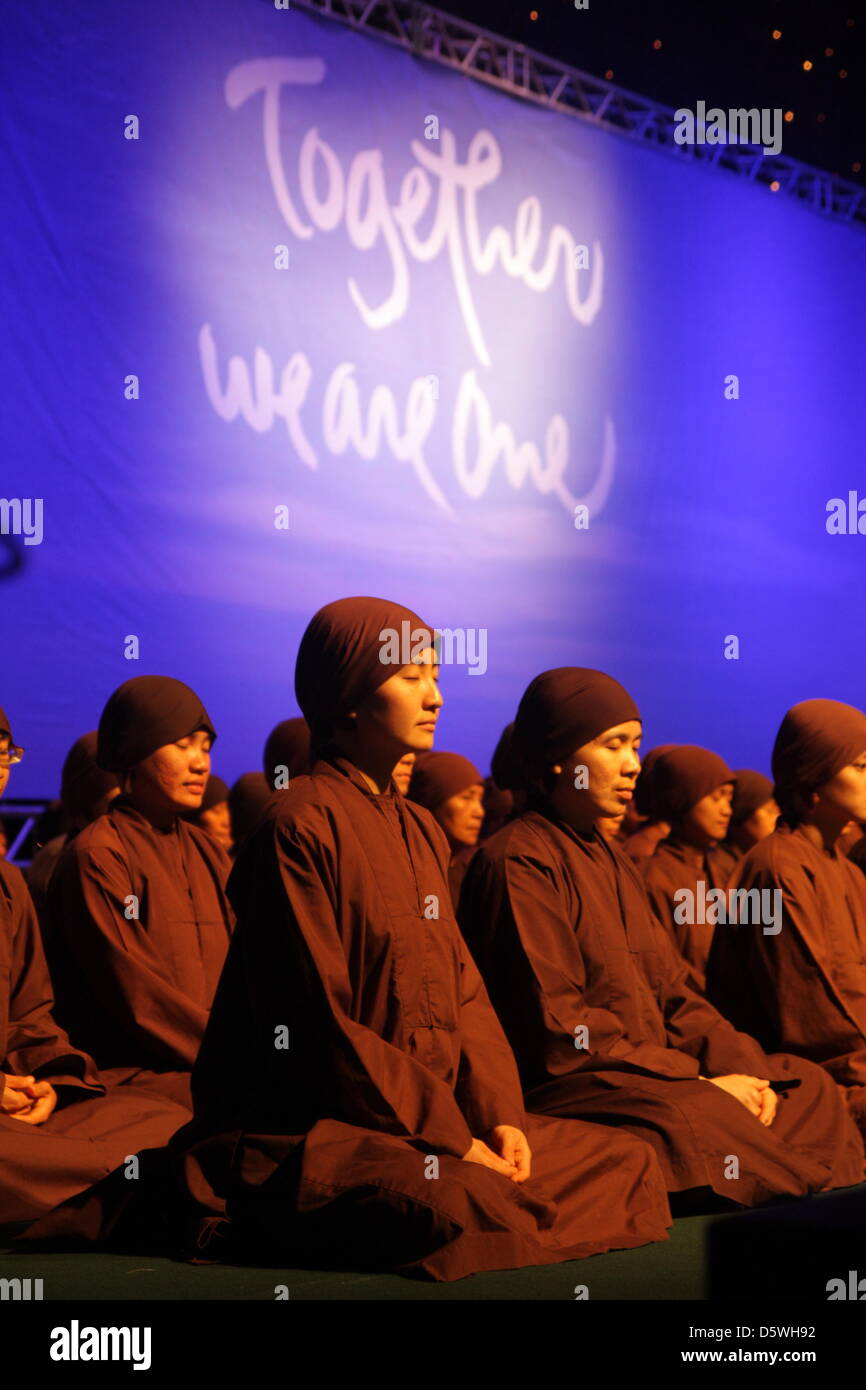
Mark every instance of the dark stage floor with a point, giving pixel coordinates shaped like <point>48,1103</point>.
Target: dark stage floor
<point>785,1251</point>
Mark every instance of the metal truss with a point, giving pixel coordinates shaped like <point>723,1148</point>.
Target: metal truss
<point>520,71</point>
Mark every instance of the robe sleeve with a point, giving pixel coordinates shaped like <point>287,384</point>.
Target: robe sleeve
<point>660,891</point>
<point>513,911</point>
<point>657,890</point>
<point>156,1023</point>
<point>488,1086</point>
<point>695,1027</point>
<point>36,1046</point>
<point>660,880</point>
<point>791,982</point>
<point>364,1080</point>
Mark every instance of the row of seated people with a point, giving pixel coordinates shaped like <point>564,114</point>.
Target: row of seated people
<point>381,1040</point>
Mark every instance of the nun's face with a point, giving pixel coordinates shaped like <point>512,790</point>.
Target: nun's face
<point>462,816</point>
<point>597,781</point>
<point>4,767</point>
<point>173,778</point>
<point>708,820</point>
<point>759,824</point>
<point>846,792</point>
<point>401,715</point>
<point>217,822</point>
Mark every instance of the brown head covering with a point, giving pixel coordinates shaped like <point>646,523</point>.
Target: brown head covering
<point>681,776</point>
<point>4,726</point>
<point>215,793</point>
<point>288,746</point>
<point>498,804</point>
<point>505,765</point>
<point>144,714</point>
<point>82,781</point>
<point>248,797</point>
<point>816,740</point>
<point>438,776</point>
<point>752,790</point>
<point>347,652</point>
<point>561,710</point>
<point>643,787</point>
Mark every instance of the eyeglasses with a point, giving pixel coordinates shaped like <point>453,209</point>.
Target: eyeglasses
<point>10,755</point>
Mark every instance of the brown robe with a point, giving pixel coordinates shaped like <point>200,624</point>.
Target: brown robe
<point>40,872</point>
<point>342,1145</point>
<point>136,991</point>
<point>90,1131</point>
<point>675,866</point>
<point>566,940</point>
<point>725,860</point>
<point>802,989</point>
<point>459,863</point>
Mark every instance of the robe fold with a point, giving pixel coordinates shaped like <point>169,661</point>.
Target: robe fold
<point>351,1056</point>
<point>605,1026</point>
<point>802,989</point>
<point>673,867</point>
<point>139,926</point>
<point>91,1130</point>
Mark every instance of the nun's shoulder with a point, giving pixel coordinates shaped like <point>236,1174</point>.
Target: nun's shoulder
<point>100,835</point>
<point>524,837</point>
<point>307,804</point>
<point>778,855</point>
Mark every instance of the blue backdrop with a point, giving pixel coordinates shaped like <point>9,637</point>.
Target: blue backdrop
<point>342,321</point>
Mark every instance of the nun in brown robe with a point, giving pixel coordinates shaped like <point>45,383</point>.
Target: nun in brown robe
<point>754,813</point>
<point>85,792</point>
<point>372,1117</point>
<point>452,790</point>
<point>139,919</point>
<point>596,1000</point>
<point>691,788</point>
<point>803,987</point>
<point>60,1128</point>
